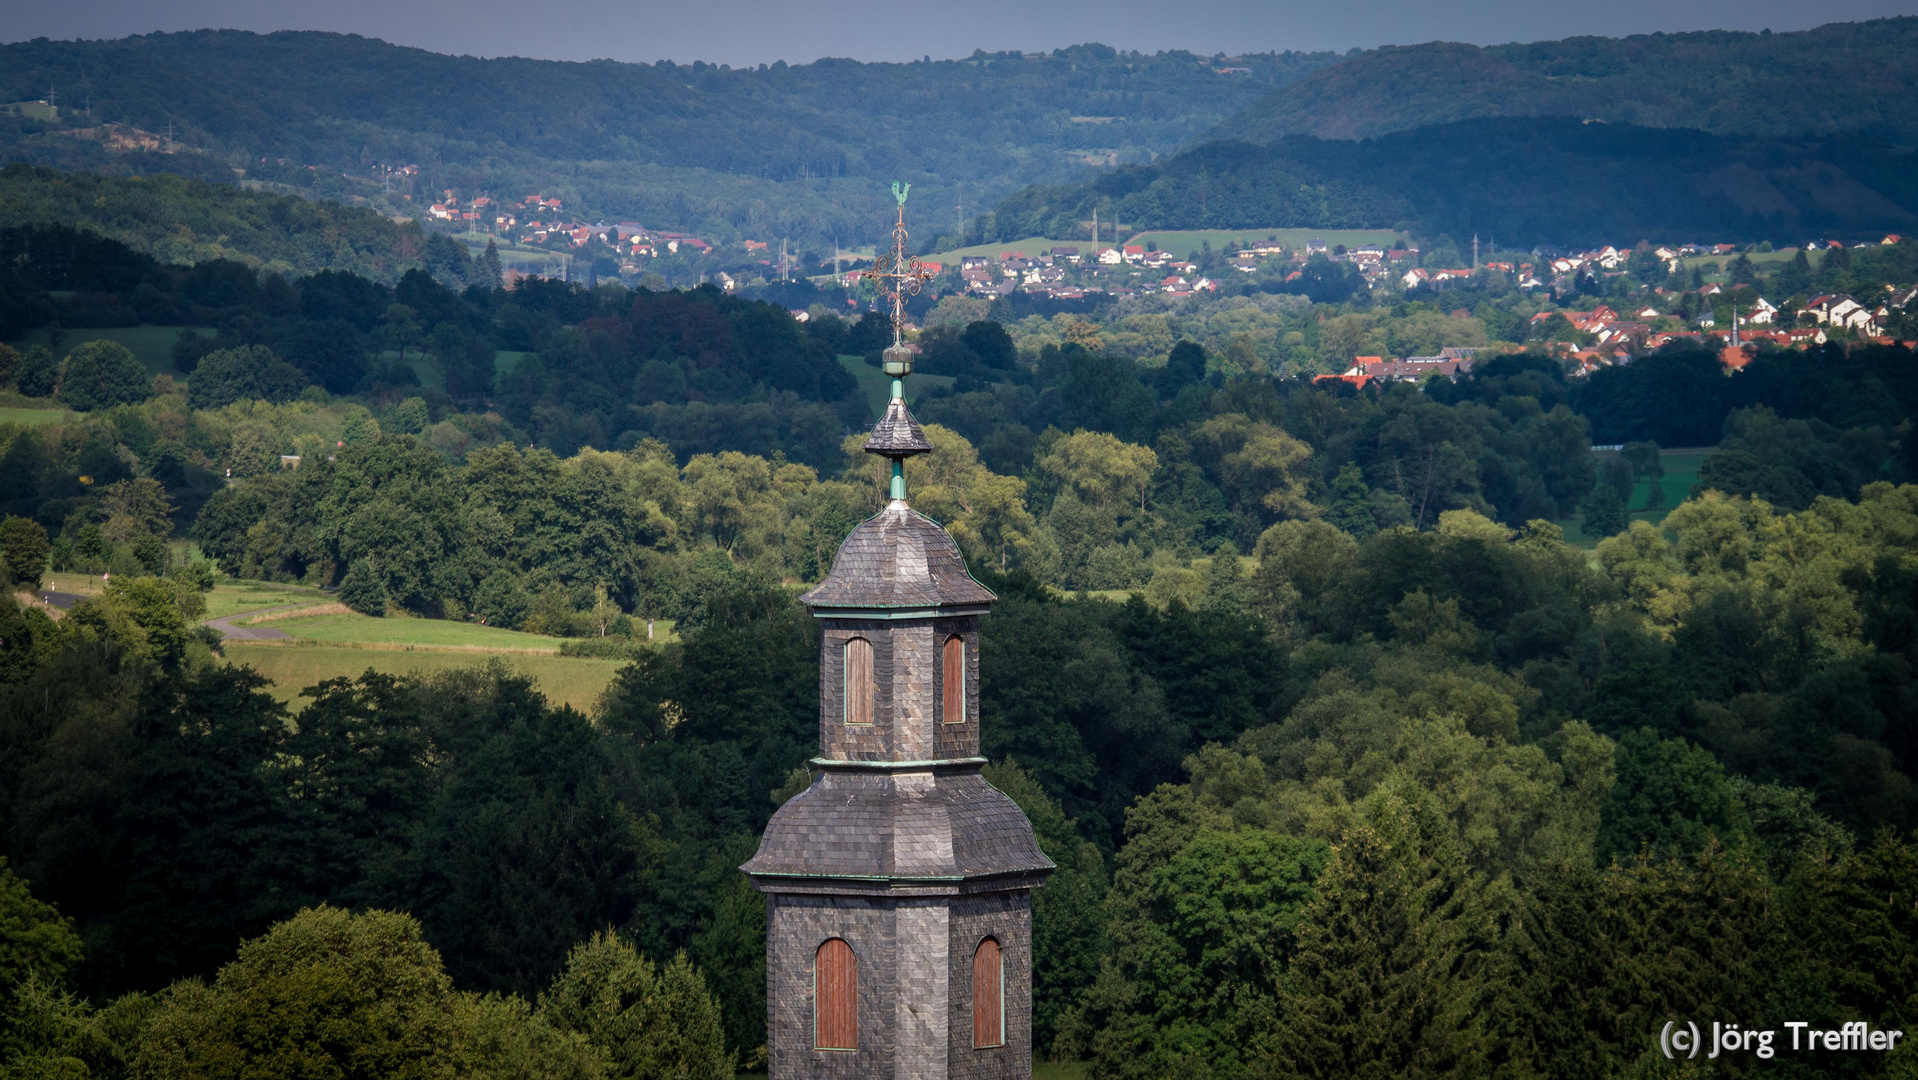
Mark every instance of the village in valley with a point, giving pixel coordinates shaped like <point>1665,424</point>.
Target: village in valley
<point>1705,294</point>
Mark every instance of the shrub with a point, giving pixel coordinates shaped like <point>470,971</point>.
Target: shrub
<point>24,545</point>
<point>326,993</point>
<point>502,601</point>
<point>102,374</point>
<point>362,590</point>
<point>38,372</point>
<point>649,1020</point>
<point>246,373</point>
<point>1604,512</point>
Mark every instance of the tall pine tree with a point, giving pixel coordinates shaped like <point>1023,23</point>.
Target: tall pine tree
<point>1386,981</point>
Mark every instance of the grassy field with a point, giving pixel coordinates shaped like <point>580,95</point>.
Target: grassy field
<point>35,417</point>
<point>1183,243</point>
<point>232,597</point>
<point>151,345</point>
<point>565,680</point>
<point>1180,243</point>
<point>525,258</point>
<point>418,633</point>
<point>81,584</point>
<point>504,361</point>
<point>878,388</point>
<point>1681,472</point>
<point>1031,245</point>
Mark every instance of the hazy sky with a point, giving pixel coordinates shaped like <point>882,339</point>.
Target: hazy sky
<point>760,31</point>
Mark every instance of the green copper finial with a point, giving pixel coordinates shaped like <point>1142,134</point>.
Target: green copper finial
<point>899,191</point>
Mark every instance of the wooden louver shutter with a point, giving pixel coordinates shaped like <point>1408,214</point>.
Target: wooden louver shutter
<point>858,681</point>
<point>955,680</point>
<point>835,997</point>
<point>988,991</point>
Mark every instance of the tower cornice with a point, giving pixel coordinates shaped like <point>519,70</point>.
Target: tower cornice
<point>900,613</point>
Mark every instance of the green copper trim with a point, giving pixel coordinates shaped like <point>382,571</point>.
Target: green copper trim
<point>894,766</point>
<point>908,879</point>
<point>899,479</point>
<point>899,613</point>
<point>847,877</point>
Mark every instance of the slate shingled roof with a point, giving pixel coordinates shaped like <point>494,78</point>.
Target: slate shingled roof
<point>876,825</point>
<point>897,434</point>
<point>898,558</point>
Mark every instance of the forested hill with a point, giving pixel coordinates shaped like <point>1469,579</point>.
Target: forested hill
<point>1522,180</point>
<point>1843,77</point>
<point>183,221</point>
<point>787,148</point>
<point>1719,135</point>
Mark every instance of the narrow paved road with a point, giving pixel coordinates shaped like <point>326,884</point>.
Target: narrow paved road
<point>253,633</point>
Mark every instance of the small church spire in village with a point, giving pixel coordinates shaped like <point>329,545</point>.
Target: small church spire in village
<point>899,884</point>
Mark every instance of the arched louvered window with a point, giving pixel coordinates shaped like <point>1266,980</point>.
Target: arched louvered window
<point>858,681</point>
<point>954,656</point>
<point>835,997</point>
<point>988,996</point>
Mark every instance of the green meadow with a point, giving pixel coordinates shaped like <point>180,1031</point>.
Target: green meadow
<point>232,597</point>
<point>1681,472</point>
<point>1183,242</point>
<point>294,666</point>
<point>351,627</point>
<point>1031,245</point>
<point>35,417</point>
<point>151,345</point>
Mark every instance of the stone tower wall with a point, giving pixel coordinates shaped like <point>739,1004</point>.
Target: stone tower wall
<point>795,928</point>
<point>1007,917</point>
<point>909,680</point>
<point>915,985</point>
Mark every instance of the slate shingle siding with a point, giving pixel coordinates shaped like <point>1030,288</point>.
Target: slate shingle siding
<point>944,824</point>
<point>897,434</point>
<point>1006,917</point>
<point>909,687</point>
<point>898,558</point>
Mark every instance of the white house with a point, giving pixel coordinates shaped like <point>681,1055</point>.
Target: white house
<point>1841,310</point>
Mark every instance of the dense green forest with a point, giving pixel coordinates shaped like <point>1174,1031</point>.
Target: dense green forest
<point>1838,78</point>
<point>1526,181</point>
<point>1349,759</point>
<point>786,150</point>
<point>182,221</point>
<point>1457,799</point>
<point>1715,136</point>
<point>1079,450</point>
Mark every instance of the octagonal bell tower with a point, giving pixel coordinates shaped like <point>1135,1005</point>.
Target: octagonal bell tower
<point>898,886</point>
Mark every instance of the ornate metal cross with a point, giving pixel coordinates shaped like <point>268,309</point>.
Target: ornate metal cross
<point>902,274</point>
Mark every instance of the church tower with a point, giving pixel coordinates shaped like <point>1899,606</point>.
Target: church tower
<point>899,885</point>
